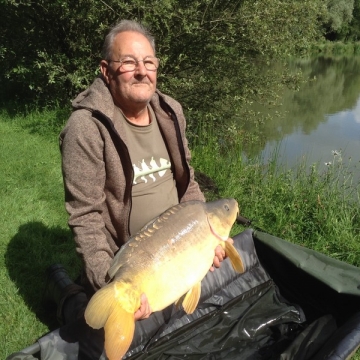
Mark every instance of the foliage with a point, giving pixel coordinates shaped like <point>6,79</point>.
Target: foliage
<point>239,46</point>
<point>212,52</point>
<point>351,32</point>
<point>313,208</point>
<point>48,47</point>
<point>341,20</point>
<point>339,13</point>
<point>336,48</point>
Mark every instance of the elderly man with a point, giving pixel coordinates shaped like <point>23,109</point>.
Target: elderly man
<point>125,160</point>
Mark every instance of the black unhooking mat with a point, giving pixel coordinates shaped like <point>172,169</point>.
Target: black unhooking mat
<point>291,303</point>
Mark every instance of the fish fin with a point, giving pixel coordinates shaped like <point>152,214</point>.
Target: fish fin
<point>234,257</point>
<point>179,301</point>
<point>114,268</point>
<point>119,332</point>
<point>192,298</point>
<point>100,306</point>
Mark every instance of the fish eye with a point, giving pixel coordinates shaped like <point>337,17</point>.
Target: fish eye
<point>226,207</point>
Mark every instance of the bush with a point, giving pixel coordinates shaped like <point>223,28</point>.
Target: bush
<point>212,53</point>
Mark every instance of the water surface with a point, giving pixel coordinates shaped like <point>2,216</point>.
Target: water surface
<point>319,120</point>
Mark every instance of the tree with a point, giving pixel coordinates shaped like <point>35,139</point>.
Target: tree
<point>351,32</point>
<point>337,18</point>
<point>213,53</point>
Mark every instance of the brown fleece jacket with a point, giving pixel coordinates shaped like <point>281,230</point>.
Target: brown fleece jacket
<point>98,174</point>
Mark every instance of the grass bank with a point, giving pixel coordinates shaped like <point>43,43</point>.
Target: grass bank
<point>336,48</point>
<point>34,227</point>
<point>317,210</point>
<point>320,211</point>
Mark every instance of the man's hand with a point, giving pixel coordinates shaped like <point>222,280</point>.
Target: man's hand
<point>145,310</point>
<point>219,255</point>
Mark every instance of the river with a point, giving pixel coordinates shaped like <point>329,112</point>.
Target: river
<point>320,122</point>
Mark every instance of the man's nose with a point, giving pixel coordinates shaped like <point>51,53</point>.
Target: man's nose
<point>140,68</point>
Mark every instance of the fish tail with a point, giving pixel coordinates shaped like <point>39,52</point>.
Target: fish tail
<point>119,333</point>
<point>113,307</point>
<point>234,257</point>
<point>100,307</point>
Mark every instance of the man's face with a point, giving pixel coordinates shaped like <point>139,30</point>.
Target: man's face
<point>131,90</point>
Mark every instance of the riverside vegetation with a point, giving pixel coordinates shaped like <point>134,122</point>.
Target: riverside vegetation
<point>317,210</point>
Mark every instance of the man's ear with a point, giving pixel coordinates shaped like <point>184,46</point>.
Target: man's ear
<point>104,69</point>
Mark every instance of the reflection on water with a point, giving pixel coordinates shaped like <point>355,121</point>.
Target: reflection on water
<point>324,115</point>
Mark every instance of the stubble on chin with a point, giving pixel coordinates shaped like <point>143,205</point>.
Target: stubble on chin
<point>141,91</point>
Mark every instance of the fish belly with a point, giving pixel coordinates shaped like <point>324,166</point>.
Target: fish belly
<point>178,272</point>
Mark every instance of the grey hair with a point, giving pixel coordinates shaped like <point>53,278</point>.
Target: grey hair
<point>124,25</point>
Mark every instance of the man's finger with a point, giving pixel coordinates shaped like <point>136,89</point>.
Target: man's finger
<point>230,240</point>
<point>145,310</point>
<point>220,253</point>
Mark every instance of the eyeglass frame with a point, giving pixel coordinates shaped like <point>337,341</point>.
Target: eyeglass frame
<point>136,62</point>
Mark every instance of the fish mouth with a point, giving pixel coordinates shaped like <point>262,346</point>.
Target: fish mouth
<point>222,238</point>
<point>243,220</point>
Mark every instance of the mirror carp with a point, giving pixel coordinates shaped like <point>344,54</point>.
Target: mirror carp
<point>166,260</point>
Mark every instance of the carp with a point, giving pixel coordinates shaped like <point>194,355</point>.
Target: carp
<point>166,260</point>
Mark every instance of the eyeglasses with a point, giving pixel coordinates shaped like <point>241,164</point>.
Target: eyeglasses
<point>130,64</point>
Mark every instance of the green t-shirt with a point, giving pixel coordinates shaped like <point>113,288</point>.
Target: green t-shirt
<point>154,189</point>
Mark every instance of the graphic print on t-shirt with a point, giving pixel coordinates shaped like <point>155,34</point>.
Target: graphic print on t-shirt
<point>145,171</point>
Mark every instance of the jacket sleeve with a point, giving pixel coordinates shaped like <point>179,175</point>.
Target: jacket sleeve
<point>84,178</point>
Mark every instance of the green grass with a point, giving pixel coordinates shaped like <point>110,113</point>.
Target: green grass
<point>320,211</point>
<point>336,48</point>
<point>34,228</point>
